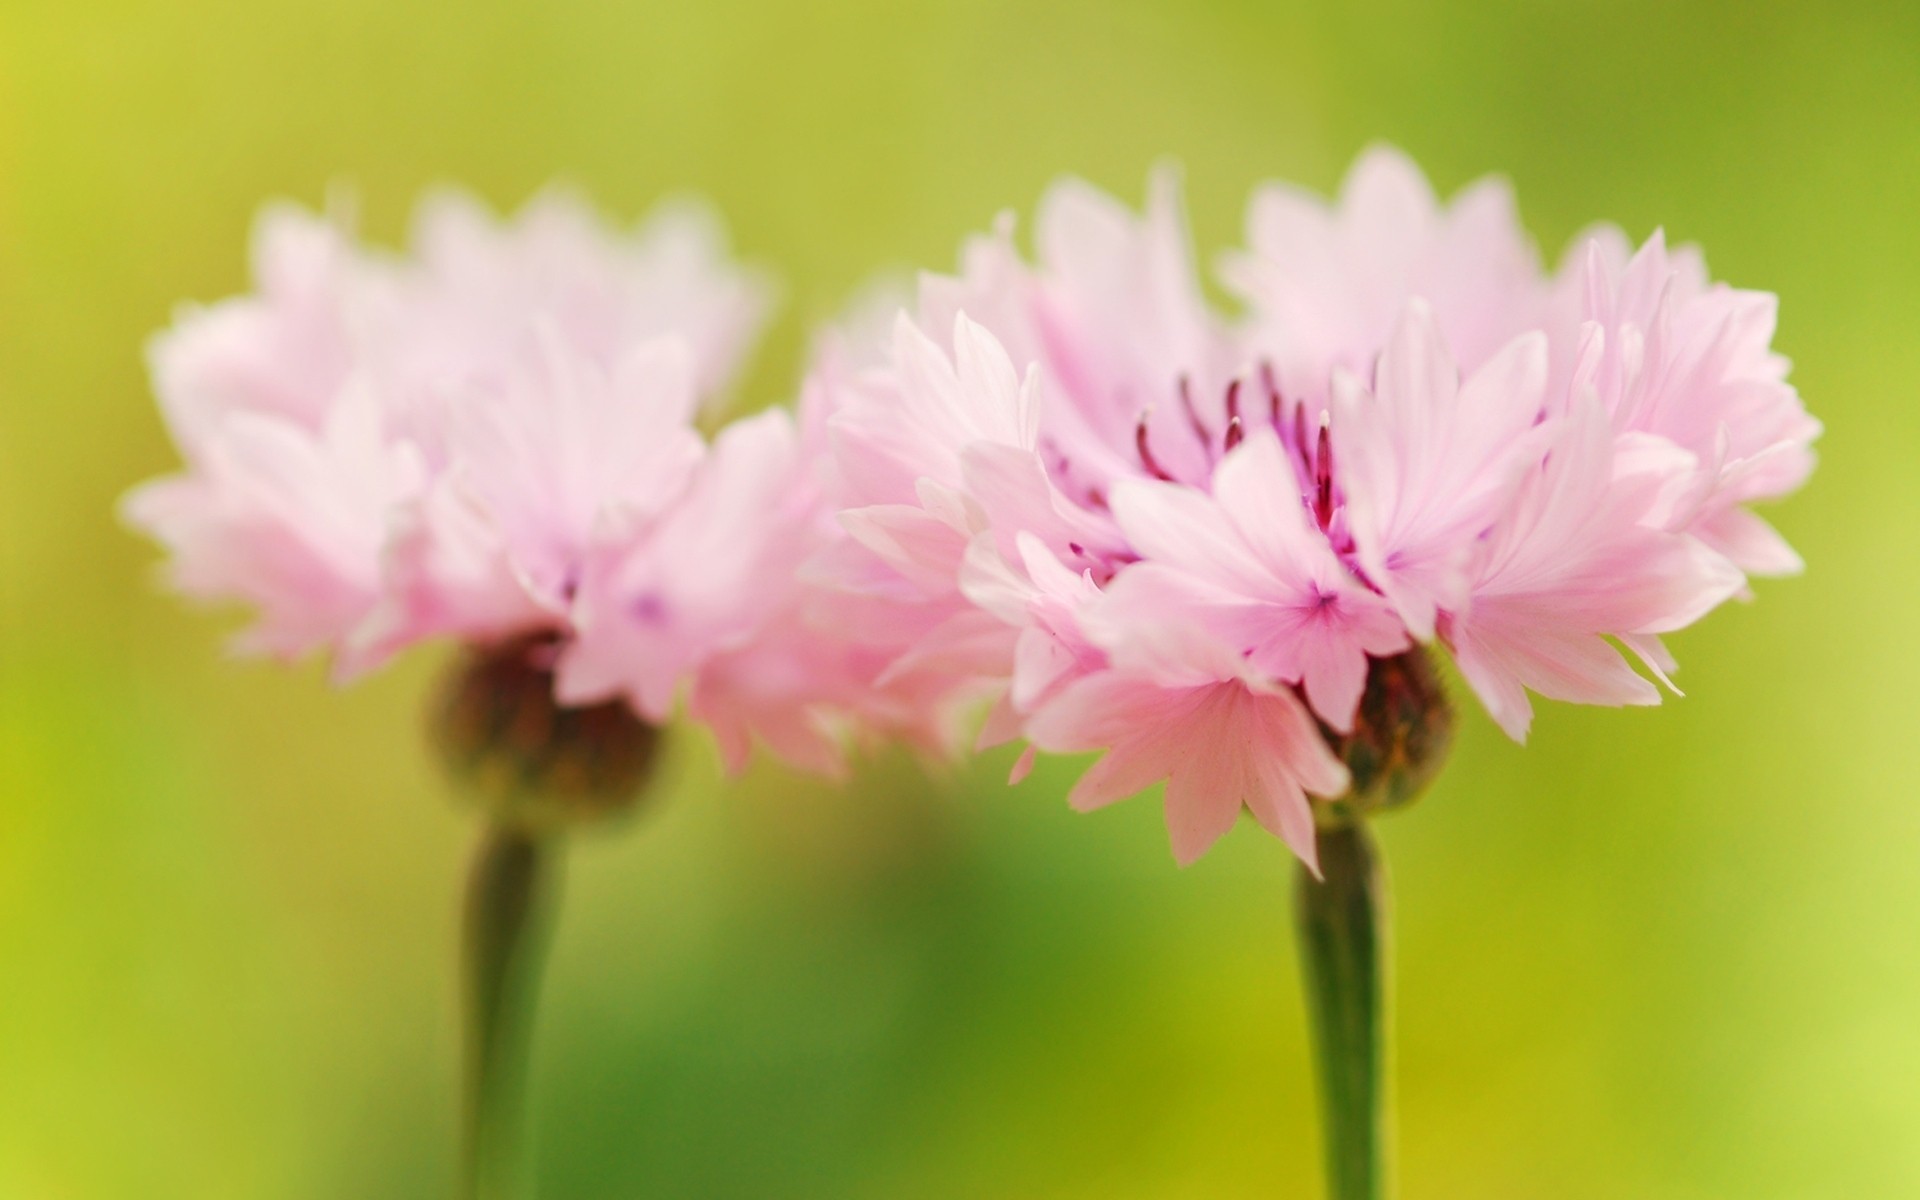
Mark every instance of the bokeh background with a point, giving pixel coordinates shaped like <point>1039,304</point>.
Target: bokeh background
<point>1667,954</point>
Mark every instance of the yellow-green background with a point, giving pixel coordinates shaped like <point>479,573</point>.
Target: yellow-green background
<point>1667,954</point>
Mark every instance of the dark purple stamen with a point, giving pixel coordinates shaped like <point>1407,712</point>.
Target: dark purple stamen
<point>1146,452</point>
<point>1235,432</point>
<point>1323,477</point>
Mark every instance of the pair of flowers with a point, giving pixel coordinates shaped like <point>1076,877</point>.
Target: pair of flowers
<point>1065,487</point>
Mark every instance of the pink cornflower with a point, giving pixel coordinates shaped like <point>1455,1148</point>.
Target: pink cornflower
<point>1194,541</point>
<point>493,439</point>
<point>999,506</point>
<point>1690,362</point>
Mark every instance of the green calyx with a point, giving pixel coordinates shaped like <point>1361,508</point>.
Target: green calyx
<point>1399,742</point>
<point>530,763</point>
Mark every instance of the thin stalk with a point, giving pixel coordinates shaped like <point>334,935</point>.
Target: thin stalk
<point>1342,921</point>
<point>507,906</point>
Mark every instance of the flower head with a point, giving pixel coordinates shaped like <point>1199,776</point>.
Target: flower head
<point>492,439</point>
<point>1204,540</point>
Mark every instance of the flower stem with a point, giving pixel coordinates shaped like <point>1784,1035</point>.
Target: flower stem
<point>1342,922</point>
<point>506,909</point>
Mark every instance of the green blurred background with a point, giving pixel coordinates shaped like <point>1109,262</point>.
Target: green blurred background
<point>1667,954</point>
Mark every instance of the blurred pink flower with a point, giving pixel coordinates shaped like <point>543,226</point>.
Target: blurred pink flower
<point>1194,535</point>
<point>495,436</point>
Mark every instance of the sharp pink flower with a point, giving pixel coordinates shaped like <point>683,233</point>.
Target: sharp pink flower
<point>1572,561</point>
<point>1023,492</point>
<point>1425,462</point>
<point>1690,361</point>
<point>1249,565</point>
<point>1223,738</point>
<point>1199,535</point>
<point>1327,283</point>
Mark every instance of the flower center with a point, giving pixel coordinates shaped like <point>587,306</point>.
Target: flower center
<point>1307,440</point>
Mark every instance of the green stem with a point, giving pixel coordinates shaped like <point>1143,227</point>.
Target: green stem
<point>504,943</point>
<point>1343,925</point>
